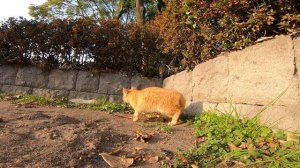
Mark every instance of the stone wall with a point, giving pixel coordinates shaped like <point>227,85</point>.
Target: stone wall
<point>71,84</point>
<point>251,80</point>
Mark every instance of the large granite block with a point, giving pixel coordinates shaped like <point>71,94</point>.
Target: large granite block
<point>138,82</point>
<point>181,82</point>
<point>86,82</point>
<point>50,93</point>
<point>113,83</point>
<point>85,95</point>
<point>32,77</point>
<point>62,80</point>
<point>16,89</point>
<point>261,73</point>
<point>210,80</point>
<point>8,74</point>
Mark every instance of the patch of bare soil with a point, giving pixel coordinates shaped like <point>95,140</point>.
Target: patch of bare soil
<point>57,137</point>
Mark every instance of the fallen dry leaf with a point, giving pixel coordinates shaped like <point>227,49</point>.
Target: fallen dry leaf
<point>261,143</point>
<point>282,141</point>
<point>243,145</point>
<point>200,140</point>
<point>182,158</point>
<point>151,159</point>
<point>135,156</point>
<point>273,145</point>
<point>168,154</point>
<point>138,148</point>
<point>194,166</point>
<point>168,158</point>
<point>117,151</point>
<point>231,146</point>
<point>293,137</point>
<point>18,105</point>
<point>266,152</point>
<point>250,146</point>
<point>144,137</point>
<point>8,98</point>
<point>222,164</point>
<point>90,145</point>
<point>30,106</point>
<point>163,142</point>
<point>263,39</point>
<point>115,161</point>
<point>18,163</point>
<point>239,164</point>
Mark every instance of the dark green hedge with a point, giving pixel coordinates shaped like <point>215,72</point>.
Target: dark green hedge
<point>107,45</point>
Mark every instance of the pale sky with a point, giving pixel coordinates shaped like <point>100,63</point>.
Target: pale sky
<point>16,8</point>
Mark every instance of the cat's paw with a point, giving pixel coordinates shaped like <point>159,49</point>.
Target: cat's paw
<point>134,119</point>
<point>172,123</point>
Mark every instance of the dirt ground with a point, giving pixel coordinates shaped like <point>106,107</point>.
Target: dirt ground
<point>41,136</point>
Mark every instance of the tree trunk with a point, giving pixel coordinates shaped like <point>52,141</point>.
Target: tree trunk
<point>140,11</point>
<point>121,9</point>
<point>161,5</point>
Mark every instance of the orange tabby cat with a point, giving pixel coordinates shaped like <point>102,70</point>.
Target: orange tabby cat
<point>153,99</point>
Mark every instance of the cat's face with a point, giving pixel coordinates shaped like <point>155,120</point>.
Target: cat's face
<point>125,95</point>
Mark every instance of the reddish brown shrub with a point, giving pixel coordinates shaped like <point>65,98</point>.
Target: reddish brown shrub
<point>197,30</point>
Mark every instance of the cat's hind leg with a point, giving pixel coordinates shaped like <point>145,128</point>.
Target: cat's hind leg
<point>175,118</point>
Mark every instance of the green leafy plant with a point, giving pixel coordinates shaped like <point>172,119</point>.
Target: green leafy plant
<point>161,127</point>
<point>105,105</point>
<point>164,128</point>
<point>225,139</point>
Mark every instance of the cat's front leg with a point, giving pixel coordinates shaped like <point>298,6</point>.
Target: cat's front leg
<point>135,116</point>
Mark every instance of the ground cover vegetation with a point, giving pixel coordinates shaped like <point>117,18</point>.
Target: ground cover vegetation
<point>225,140</point>
<point>31,101</point>
<point>180,34</point>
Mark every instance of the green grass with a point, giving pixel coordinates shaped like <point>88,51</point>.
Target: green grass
<point>162,127</point>
<point>225,139</point>
<point>101,103</point>
<point>158,126</point>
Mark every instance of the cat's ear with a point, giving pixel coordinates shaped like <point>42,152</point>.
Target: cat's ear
<point>125,90</point>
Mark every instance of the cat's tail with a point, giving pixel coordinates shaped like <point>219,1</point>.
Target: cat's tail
<point>178,111</point>
<point>182,102</point>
